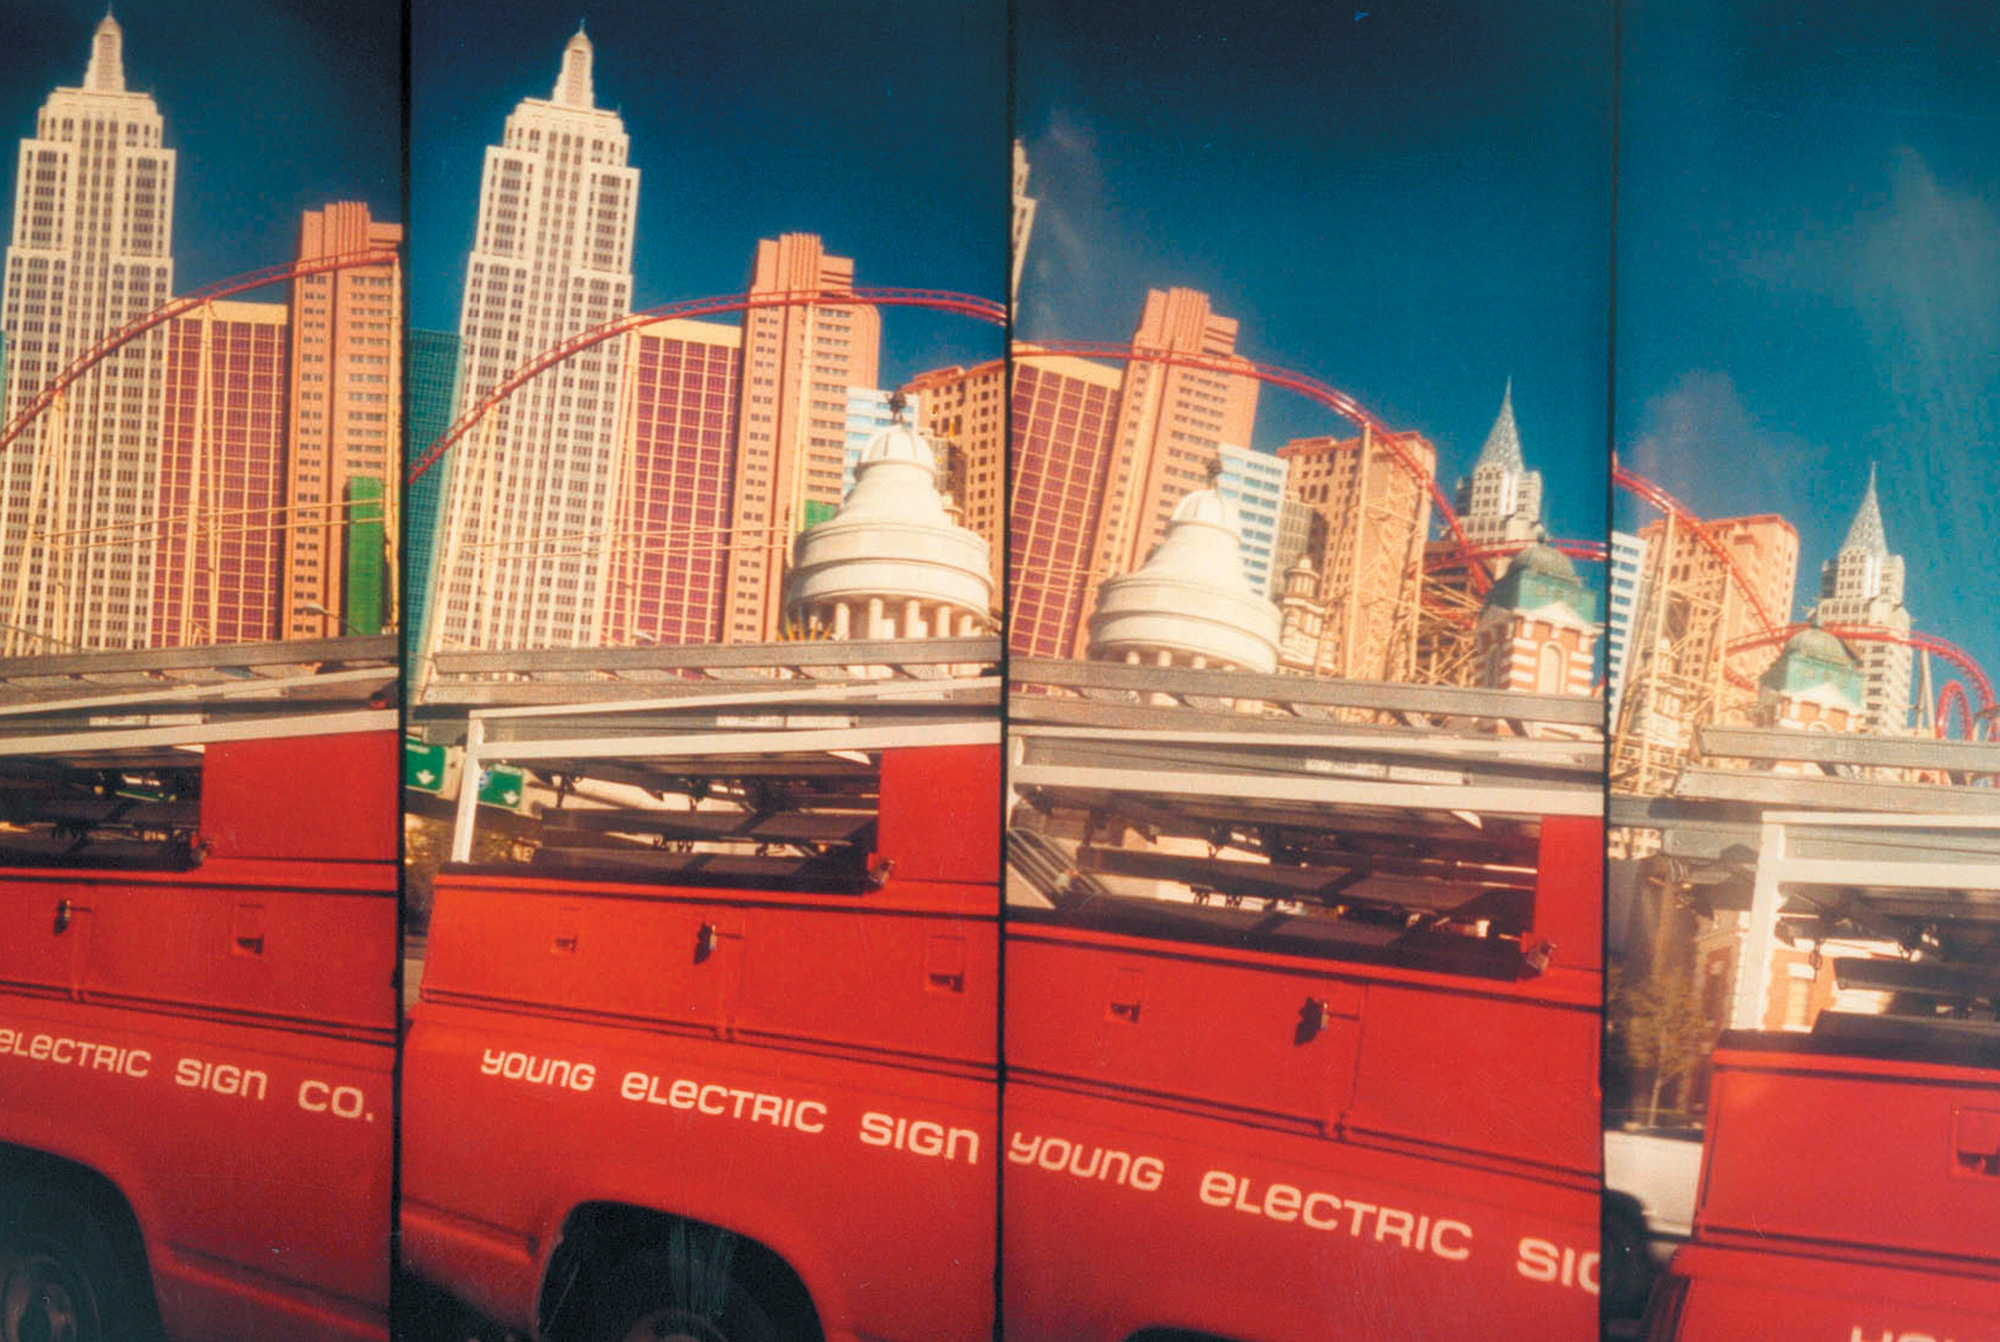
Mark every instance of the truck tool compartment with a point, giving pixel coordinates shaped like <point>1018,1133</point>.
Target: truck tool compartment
<point>1301,1010</point>
<point>197,1008</point>
<point>1850,1186</point>
<point>725,1009</point>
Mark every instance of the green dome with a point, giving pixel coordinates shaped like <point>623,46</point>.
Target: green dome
<point>1816,643</point>
<point>1545,560</point>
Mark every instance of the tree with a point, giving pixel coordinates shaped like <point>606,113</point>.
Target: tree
<point>1655,1026</point>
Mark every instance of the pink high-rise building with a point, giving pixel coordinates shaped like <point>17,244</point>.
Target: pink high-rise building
<point>219,562</point>
<point>1065,418</point>
<point>670,540</point>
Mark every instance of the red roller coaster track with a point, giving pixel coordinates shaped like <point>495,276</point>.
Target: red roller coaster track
<point>1306,385</point>
<point>937,300</point>
<point>166,312</point>
<point>1954,693</point>
<point>1869,633</point>
<point>1591,552</point>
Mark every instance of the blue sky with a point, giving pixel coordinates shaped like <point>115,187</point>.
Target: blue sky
<point>1408,200</point>
<point>274,108</point>
<point>1809,280</point>
<point>879,125</point>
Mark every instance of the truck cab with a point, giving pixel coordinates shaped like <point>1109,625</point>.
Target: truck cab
<point>197,1002</point>
<point>1302,1010</point>
<point>705,1040</point>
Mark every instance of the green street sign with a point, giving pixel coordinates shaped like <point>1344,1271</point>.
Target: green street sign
<point>423,766</point>
<point>504,786</point>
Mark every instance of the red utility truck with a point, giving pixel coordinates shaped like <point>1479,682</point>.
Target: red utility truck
<point>1850,1187</point>
<point>197,999</point>
<point>705,1047</point>
<point>1302,1010</point>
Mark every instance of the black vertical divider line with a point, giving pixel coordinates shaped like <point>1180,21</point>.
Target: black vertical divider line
<point>1610,526</point>
<point>402,704</point>
<point>1009,130</point>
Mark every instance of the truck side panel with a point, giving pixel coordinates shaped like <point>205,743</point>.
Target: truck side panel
<point>813,1072</point>
<point>1846,1198</point>
<point>1404,1162</point>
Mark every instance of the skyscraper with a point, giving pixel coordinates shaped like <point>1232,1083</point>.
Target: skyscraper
<point>965,411</point>
<point>1628,552</point>
<point>1064,422</point>
<point>798,363</point>
<point>1255,483</point>
<point>1499,507</point>
<point>1863,584</point>
<point>1373,513</point>
<point>430,394</point>
<point>90,250</point>
<point>1172,422</point>
<point>1502,500</point>
<point>1024,221</point>
<point>346,415</point>
<point>1680,670</point>
<point>220,561</point>
<point>1099,466</point>
<point>671,514</point>
<point>528,519</point>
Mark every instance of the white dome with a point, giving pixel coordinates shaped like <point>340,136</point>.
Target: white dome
<point>1191,599</point>
<point>1210,507</point>
<point>893,543</point>
<point>900,442</point>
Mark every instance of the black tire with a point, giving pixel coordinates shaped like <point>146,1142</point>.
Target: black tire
<point>62,1278</point>
<point>1625,1267</point>
<point>685,1290</point>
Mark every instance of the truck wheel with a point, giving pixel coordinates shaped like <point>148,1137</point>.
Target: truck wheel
<point>1625,1265</point>
<point>60,1275</point>
<point>683,1291</point>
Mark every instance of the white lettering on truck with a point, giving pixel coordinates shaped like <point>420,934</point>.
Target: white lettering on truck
<point>513,1065</point>
<point>921,1137</point>
<point>1542,1260</point>
<point>720,1101</point>
<point>1439,1236</point>
<point>1102,1163</point>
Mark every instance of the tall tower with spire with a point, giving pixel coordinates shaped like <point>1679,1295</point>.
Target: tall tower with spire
<point>90,250</point>
<point>1502,501</point>
<point>527,526</point>
<point>1863,584</point>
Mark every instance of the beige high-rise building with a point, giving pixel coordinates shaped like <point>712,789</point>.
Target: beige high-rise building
<point>1679,670</point>
<point>1371,513</point>
<point>346,425</point>
<point>528,520</point>
<point>1863,585</point>
<point>964,410</point>
<point>798,363</point>
<point>90,251</point>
